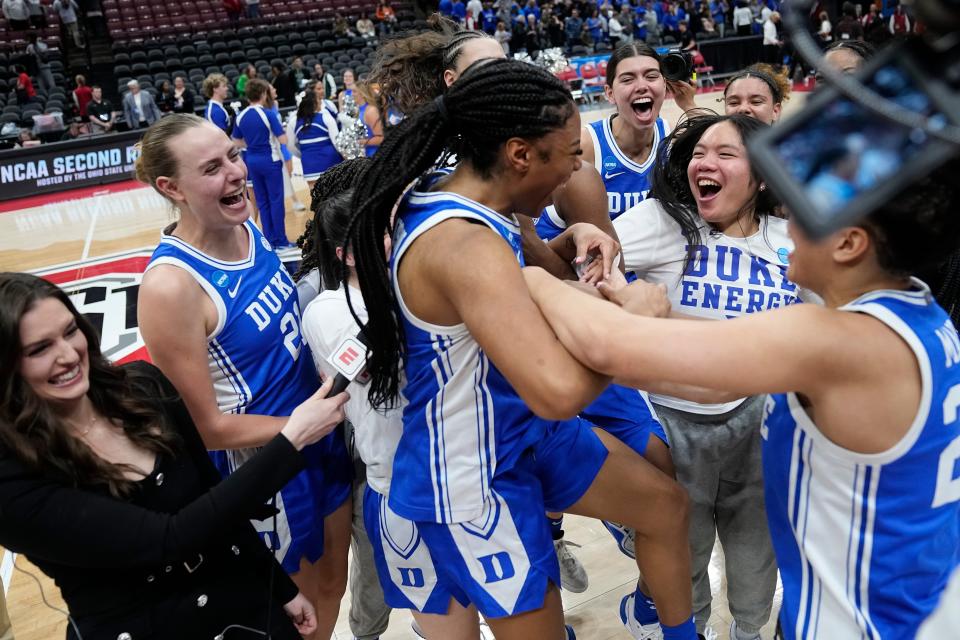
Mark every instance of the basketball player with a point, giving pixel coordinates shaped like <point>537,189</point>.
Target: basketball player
<point>861,443</point>
<point>757,92</point>
<point>315,129</point>
<point>469,425</point>
<point>623,146</point>
<point>413,70</point>
<point>220,317</point>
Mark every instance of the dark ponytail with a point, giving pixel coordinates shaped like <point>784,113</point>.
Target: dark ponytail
<point>494,101</point>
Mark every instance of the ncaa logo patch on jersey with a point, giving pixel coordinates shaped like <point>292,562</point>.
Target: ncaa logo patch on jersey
<point>610,164</point>
<point>221,279</point>
<point>105,290</point>
<point>784,254</point>
<point>265,243</point>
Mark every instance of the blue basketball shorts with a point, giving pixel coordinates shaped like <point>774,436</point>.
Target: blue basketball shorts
<point>567,460</point>
<point>627,415</point>
<point>320,489</point>
<point>501,562</point>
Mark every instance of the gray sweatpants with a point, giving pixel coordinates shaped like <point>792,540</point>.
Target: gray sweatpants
<point>718,462</point>
<point>369,614</point>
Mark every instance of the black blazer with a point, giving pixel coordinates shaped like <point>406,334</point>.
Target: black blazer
<point>178,559</point>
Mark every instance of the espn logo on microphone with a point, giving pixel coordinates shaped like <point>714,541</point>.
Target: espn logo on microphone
<point>350,358</point>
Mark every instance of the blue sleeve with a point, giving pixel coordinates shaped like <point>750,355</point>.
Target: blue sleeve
<point>275,125</point>
<point>218,117</point>
<point>237,131</point>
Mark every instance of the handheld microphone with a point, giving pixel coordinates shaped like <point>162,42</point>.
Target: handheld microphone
<point>350,361</point>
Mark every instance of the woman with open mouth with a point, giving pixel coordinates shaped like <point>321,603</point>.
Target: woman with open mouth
<point>220,317</point>
<point>708,235</point>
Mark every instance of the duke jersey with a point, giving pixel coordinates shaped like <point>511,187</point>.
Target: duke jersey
<point>463,422</point>
<point>866,542</point>
<point>218,115</point>
<point>728,276</point>
<point>260,365</point>
<point>627,182</point>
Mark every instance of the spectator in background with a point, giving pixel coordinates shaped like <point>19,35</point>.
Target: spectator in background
<point>74,131</point>
<point>771,40</point>
<point>386,17</point>
<point>183,97</point>
<point>475,8</point>
<point>849,28</point>
<point>825,34</point>
<point>38,17</point>
<point>81,97</point>
<point>68,20</point>
<point>874,28</point>
<point>615,29</point>
<point>899,22</point>
<point>502,36</point>
<point>459,12</point>
<point>283,83</point>
<point>533,37</point>
<point>329,84</point>
<point>718,11</point>
<point>533,9</point>
<point>594,26</point>
<point>17,14</point>
<point>298,74</point>
<point>24,89</point>
<point>139,108</point>
<point>26,139</point>
<point>100,111</point>
<point>488,18</point>
<point>165,97</point>
<point>248,74</point>
<point>40,52</point>
<point>445,7</point>
<point>253,9</point>
<point>743,19</point>
<point>554,30</point>
<point>340,27</point>
<point>365,27</point>
<point>234,9</point>
<point>573,28</point>
<point>685,37</point>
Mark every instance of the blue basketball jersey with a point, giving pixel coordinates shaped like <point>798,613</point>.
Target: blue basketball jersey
<point>867,542</point>
<point>627,182</point>
<point>255,353</point>
<point>463,423</point>
<point>218,115</point>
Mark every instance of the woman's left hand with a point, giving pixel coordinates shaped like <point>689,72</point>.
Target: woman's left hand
<point>302,614</point>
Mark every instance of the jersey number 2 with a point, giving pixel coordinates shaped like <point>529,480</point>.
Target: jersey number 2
<point>948,484</point>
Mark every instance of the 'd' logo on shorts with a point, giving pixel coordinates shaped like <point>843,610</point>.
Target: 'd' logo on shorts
<point>610,163</point>
<point>497,567</point>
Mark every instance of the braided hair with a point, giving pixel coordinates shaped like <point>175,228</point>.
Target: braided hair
<point>331,182</point>
<point>671,186</point>
<point>494,101</point>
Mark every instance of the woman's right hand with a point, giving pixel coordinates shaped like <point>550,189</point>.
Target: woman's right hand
<point>317,416</point>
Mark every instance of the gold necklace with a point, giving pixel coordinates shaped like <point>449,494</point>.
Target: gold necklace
<point>93,421</point>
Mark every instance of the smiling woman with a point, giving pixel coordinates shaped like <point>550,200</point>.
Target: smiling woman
<point>220,317</point>
<point>112,453</point>
<point>707,235</point>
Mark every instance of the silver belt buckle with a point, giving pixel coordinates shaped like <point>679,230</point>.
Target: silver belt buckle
<point>186,565</point>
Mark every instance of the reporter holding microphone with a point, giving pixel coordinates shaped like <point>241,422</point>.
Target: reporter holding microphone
<point>107,487</point>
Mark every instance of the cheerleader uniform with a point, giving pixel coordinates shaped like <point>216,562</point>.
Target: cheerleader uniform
<point>259,128</point>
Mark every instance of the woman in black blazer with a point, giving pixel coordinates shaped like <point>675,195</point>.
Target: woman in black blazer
<point>106,486</point>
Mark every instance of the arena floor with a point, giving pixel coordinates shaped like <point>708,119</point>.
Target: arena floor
<point>99,239</point>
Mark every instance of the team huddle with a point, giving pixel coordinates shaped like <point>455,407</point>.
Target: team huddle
<point>615,320</point>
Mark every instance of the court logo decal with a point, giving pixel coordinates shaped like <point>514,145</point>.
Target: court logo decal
<point>105,290</point>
